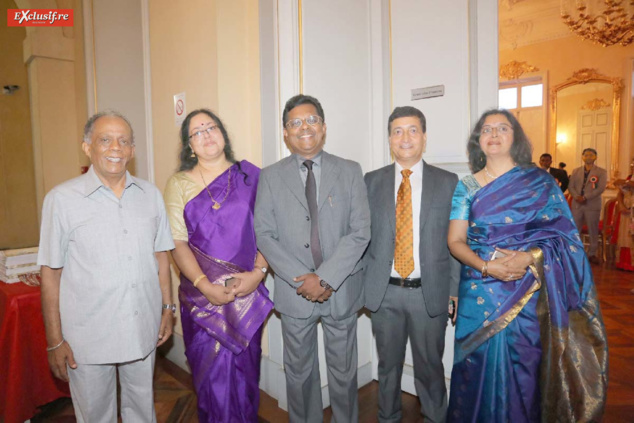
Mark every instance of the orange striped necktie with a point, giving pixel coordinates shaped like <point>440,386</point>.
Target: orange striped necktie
<point>404,249</point>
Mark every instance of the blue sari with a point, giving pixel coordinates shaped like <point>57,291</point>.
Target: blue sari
<point>533,349</point>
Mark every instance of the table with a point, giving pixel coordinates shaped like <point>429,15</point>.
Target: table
<point>26,381</point>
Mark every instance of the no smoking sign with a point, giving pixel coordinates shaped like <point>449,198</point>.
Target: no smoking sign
<point>180,109</point>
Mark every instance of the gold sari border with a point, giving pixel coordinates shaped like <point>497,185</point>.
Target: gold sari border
<point>491,328</point>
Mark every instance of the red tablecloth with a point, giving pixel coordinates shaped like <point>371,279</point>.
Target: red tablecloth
<point>26,381</point>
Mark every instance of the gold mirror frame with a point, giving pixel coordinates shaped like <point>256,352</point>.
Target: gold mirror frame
<point>585,76</point>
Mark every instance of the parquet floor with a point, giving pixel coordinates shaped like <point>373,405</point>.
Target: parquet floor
<point>176,402</point>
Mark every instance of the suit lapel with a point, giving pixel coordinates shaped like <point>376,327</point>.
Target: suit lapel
<point>427,195</point>
<point>290,176</point>
<point>329,176</point>
<point>386,195</point>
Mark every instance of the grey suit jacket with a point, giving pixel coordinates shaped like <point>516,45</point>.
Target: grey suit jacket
<point>593,195</point>
<point>282,228</point>
<point>439,270</point>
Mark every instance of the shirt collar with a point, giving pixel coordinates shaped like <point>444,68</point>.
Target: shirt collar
<point>316,160</point>
<point>93,183</point>
<point>417,169</point>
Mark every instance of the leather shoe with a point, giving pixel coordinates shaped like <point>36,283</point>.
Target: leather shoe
<point>594,260</point>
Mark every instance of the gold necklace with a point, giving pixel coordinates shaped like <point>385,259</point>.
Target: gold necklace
<point>216,205</point>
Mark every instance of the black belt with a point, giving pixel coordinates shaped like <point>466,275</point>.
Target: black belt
<point>405,283</point>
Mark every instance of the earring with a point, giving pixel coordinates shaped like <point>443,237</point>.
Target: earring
<point>193,154</point>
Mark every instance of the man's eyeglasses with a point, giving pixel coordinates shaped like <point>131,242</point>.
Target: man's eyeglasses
<point>198,135</point>
<point>312,120</point>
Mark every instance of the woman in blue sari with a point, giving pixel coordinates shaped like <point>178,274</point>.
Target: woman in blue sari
<point>530,341</point>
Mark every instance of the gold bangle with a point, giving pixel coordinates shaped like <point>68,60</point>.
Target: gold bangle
<point>485,268</point>
<point>198,279</point>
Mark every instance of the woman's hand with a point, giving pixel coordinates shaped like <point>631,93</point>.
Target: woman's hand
<point>512,267</point>
<point>216,294</point>
<point>247,282</point>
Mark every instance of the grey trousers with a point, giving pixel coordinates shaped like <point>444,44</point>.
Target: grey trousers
<point>301,363</point>
<point>93,389</point>
<point>403,314</point>
<point>591,218</point>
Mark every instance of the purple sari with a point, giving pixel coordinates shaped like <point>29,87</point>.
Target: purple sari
<point>223,342</point>
<point>533,349</point>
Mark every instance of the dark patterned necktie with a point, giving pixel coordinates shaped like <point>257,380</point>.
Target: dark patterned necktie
<point>311,197</point>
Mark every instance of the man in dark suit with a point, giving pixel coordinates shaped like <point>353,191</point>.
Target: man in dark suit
<point>545,160</point>
<point>312,223</point>
<point>410,275</point>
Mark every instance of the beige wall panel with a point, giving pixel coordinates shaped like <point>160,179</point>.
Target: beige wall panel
<point>239,76</point>
<point>54,120</point>
<point>183,59</point>
<point>18,206</point>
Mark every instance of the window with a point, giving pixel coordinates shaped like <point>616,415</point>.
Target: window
<point>507,98</point>
<point>520,94</point>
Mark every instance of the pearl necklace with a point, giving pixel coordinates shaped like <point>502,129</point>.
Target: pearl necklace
<point>488,174</point>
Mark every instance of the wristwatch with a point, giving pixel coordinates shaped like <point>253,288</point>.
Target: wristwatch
<point>170,307</point>
<point>324,284</point>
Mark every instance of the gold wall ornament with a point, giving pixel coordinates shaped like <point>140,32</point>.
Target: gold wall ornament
<point>595,104</point>
<point>514,69</point>
<point>613,25</point>
<point>584,76</point>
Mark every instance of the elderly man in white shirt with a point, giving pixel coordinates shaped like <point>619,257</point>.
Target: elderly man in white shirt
<point>105,272</point>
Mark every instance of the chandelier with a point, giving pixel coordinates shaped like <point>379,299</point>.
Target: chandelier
<point>613,25</point>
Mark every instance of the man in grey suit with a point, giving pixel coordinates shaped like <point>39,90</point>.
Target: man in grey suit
<point>312,223</point>
<point>410,276</point>
<point>587,183</point>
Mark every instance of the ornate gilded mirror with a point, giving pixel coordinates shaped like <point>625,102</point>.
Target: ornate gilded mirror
<point>585,111</point>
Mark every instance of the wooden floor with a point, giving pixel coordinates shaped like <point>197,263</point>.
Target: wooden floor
<point>176,402</point>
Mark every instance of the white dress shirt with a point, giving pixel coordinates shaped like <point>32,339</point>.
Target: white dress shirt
<point>416,180</point>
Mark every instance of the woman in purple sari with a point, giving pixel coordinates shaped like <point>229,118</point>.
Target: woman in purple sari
<point>530,341</point>
<point>223,303</point>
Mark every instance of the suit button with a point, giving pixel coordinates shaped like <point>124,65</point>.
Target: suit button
<point>306,245</point>
<point>307,218</point>
<point>312,270</point>
<point>390,262</point>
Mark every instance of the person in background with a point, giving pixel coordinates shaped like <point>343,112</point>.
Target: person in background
<point>224,303</point>
<point>562,166</point>
<point>587,183</point>
<point>105,272</point>
<point>545,162</point>
<point>528,306</point>
<point>625,242</point>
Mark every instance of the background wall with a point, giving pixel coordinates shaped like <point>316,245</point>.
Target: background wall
<point>18,205</point>
<point>561,57</point>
